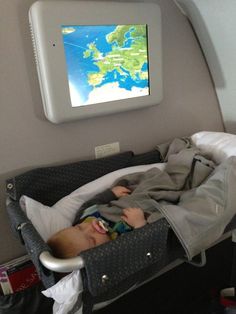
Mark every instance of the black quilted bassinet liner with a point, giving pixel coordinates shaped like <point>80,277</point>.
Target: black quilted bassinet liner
<point>112,268</point>
<point>49,184</point>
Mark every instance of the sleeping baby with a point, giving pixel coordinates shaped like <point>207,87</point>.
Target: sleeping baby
<point>92,229</point>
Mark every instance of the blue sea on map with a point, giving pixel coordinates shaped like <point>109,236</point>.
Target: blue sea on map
<point>98,70</point>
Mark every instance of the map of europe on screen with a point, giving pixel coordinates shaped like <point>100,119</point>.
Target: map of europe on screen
<point>106,62</point>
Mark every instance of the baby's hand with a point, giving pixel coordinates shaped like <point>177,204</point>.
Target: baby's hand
<point>134,217</point>
<point>120,191</point>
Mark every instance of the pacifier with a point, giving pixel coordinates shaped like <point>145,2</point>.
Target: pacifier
<point>103,224</point>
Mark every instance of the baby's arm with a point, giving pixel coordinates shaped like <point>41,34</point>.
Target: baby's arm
<point>134,217</point>
<point>104,197</point>
<point>120,191</point>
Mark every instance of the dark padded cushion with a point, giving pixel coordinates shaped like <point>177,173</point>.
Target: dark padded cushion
<point>145,158</point>
<point>136,267</point>
<point>110,264</point>
<point>49,184</point>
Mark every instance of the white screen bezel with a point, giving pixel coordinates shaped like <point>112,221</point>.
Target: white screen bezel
<point>46,19</point>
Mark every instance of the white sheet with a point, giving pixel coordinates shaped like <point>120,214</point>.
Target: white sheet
<point>48,220</point>
<point>65,293</point>
<point>217,145</point>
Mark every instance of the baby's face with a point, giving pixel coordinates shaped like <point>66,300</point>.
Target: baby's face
<point>88,234</point>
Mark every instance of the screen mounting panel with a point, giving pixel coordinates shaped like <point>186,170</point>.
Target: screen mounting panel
<point>96,58</point>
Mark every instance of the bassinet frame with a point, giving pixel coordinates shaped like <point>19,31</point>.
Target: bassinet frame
<point>120,264</point>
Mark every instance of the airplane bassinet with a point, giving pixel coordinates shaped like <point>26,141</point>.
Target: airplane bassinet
<point>142,257</point>
<point>109,269</point>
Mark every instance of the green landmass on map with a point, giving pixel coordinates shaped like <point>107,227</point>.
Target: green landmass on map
<point>131,59</point>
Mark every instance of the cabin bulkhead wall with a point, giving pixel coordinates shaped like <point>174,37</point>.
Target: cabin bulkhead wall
<point>28,139</point>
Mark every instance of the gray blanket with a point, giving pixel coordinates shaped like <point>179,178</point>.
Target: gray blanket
<point>195,197</point>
